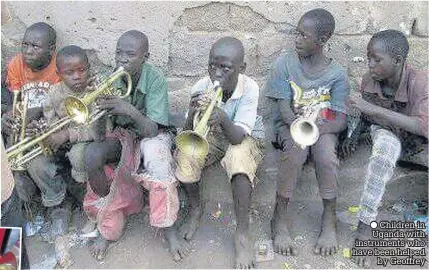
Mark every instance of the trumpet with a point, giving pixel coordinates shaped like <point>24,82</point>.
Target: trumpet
<point>77,108</point>
<point>193,143</point>
<point>304,130</point>
<point>19,111</point>
<point>77,111</point>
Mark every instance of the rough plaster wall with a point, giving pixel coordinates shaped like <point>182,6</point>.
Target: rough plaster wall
<point>181,33</point>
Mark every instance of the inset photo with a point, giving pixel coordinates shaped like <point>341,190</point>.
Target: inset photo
<point>10,249</point>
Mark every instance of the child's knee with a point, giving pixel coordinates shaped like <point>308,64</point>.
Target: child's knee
<point>77,159</point>
<point>94,157</point>
<point>243,159</point>
<point>386,144</point>
<point>157,157</point>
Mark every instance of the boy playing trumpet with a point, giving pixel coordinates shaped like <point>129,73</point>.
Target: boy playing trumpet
<point>233,141</point>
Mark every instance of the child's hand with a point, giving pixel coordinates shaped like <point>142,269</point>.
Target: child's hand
<point>114,105</point>
<point>285,139</point>
<point>57,139</point>
<point>217,117</point>
<point>199,101</point>
<point>356,101</point>
<point>92,83</point>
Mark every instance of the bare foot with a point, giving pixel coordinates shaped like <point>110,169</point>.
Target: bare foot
<point>179,247</point>
<point>363,233</point>
<point>62,251</point>
<point>188,229</point>
<point>244,255</point>
<point>99,247</point>
<point>282,240</point>
<point>327,242</point>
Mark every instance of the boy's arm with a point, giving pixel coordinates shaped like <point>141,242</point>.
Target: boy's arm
<point>286,112</point>
<point>234,133</point>
<point>268,119</point>
<point>155,109</point>
<point>146,126</point>
<point>385,117</point>
<point>278,88</point>
<point>245,116</point>
<point>416,123</point>
<point>336,120</point>
<point>92,132</point>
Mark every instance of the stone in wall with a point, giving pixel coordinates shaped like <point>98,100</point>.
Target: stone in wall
<point>210,17</point>
<point>246,20</point>
<point>178,105</point>
<point>189,53</point>
<point>270,46</point>
<point>12,34</point>
<point>418,53</point>
<point>391,15</point>
<point>420,27</point>
<point>213,17</point>
<point>350,52</point>
<point>351,17</point>
<point>97,25</point>
<point>179,96</point>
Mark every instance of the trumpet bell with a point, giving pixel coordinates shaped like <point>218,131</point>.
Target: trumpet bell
<point>304,133</point>
<point>191,154</point>
<point>192,144</point>
<point>76,109</point>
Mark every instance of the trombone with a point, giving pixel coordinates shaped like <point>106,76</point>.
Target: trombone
<point>77,111</point>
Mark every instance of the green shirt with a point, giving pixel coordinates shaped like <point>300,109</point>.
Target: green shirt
<point>149,96</point>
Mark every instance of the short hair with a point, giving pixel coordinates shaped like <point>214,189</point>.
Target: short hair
<point>231,42</point>
<point>71,51</point>
<point>44,27</point>
<point>394,42</point>
<point>138,35</point>
<point>323,19</point>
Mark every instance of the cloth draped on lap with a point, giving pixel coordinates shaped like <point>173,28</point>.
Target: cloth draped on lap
<point>125,196</point>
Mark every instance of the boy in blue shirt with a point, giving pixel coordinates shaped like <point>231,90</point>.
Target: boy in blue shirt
<point>322,81</point>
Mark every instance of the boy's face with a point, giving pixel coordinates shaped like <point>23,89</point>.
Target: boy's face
<point>74,72</point>
<point>225,66</point>
<point>380,63</point>
<point>36,49</point>
<point>306,40</point>
<point>130,54</point>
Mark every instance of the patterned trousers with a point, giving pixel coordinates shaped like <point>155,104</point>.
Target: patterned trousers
<point>386,150</point>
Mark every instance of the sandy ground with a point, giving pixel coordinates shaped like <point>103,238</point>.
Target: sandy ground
<point>143,247</point>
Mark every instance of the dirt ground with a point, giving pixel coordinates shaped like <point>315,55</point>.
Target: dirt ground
<point>143,247</point>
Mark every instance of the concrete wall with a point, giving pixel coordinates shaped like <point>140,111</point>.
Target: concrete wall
<point>181,33</point>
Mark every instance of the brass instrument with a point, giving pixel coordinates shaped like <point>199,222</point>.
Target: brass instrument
<point>77,111</point>
<point>19,111</point>
<point>304,130</point>
<point>77,108</point>
<point>193,143</point>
